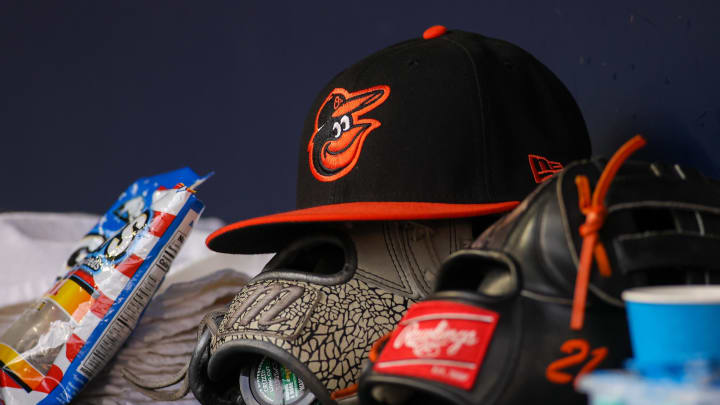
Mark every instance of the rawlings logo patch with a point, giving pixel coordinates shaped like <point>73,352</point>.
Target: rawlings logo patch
<point>340,130</point>
<point>430,342</point>
<point>442,341</point>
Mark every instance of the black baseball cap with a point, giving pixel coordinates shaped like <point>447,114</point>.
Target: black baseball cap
<point>453,124</point>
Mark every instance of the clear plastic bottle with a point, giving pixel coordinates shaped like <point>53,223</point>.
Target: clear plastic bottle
<point>30,345</point>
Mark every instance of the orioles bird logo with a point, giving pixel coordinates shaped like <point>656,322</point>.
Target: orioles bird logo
<point>340,131</point>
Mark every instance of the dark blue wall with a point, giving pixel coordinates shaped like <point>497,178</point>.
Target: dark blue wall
<point>94,95</point>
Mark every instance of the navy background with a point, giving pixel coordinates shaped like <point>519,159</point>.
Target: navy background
<point>95,95</point>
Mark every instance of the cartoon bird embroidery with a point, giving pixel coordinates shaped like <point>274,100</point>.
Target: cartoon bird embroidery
<point>341,129</point>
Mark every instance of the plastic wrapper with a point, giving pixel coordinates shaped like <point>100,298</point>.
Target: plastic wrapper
<point>699,385</point>
<point>66,337</point>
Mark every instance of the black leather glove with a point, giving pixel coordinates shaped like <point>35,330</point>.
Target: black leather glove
<point>497,329</point>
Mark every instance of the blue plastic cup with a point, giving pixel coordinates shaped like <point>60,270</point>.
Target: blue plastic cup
<point>673,326</point>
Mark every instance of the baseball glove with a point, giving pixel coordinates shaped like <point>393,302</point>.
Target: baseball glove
<point>300,330</point>
<point>536,301</point>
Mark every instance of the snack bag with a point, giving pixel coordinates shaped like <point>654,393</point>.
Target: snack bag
<point>66,337</point>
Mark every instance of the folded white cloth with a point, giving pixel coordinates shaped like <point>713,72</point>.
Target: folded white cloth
<point>33,250</point>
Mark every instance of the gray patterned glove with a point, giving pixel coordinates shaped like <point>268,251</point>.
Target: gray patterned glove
<point>306,323</point>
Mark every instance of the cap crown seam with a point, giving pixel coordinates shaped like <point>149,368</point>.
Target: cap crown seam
<point>482,124</point>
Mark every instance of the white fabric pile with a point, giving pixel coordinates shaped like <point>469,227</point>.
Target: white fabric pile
<point>33,251</point>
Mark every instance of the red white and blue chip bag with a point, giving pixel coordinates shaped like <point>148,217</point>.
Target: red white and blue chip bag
<point>66,337</point>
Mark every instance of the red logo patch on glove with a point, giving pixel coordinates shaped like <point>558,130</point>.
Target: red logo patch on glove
<point>442,341</point>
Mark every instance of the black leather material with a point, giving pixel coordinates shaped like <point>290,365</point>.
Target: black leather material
<point>663,227</point>
<point>232,357</point>
<point>218,392</point>
<point>663,223</point>
<point>528,339</point>
<point>275,269</point>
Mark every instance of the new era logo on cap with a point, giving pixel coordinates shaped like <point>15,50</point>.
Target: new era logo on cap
<point>543,168</point>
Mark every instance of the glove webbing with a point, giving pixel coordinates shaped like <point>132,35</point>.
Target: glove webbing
<point>595,214</point>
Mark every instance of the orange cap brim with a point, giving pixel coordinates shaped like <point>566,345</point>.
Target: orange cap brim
<point>265,234</point>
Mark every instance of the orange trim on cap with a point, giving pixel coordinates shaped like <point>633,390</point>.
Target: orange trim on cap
<point>371,211</point>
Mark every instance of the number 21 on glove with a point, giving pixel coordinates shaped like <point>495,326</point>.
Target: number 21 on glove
<point>579,353</point>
